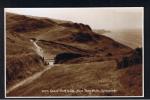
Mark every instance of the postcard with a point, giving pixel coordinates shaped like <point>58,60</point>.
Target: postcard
<point>74,52</point>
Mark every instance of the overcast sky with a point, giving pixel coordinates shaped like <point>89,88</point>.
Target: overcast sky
<point>98,18</point>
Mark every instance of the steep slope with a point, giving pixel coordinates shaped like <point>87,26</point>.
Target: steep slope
<point>21,58</point>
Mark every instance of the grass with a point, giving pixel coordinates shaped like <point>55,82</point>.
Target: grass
<point>77,77</point>
<point>21,66</point>
<point>131,78</point>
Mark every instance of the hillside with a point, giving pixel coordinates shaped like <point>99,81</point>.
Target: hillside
<point>78,53</point>
<point>86,78</point>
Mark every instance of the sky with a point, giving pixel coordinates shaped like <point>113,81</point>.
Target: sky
<point>109,18</point>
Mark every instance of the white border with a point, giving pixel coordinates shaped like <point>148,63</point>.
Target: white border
<point>76,96</point>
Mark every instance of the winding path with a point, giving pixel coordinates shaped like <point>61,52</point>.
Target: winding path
<point>37,49</point>
<point>28,80</point>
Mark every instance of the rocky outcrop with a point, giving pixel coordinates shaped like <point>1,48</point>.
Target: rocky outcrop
<point>134,58</point>
<point>85,37</point>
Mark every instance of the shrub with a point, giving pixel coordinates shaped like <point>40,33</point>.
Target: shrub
<point>62,57</point>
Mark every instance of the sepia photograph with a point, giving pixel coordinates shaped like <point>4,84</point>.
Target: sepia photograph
<point>74,52</point>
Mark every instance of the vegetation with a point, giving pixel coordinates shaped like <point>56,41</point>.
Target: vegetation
<point>20,67</point>
<point>134,58</point>
<point>62,57</point>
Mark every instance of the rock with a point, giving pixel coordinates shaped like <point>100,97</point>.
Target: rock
<point>134,58</point>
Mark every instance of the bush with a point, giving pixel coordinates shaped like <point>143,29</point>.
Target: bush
<point>62,57</point>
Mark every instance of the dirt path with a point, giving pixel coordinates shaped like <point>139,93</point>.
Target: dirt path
<point>38,49</point>
<point>28,80</point>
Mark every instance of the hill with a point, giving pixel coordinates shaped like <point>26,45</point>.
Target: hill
<point>30,39</point>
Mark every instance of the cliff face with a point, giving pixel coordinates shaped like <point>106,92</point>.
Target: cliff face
<point>133,58</point>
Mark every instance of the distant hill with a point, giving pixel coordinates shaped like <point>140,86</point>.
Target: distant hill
<point>101,31</point>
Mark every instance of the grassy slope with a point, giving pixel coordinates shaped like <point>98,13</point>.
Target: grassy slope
<point>22,66</point>
<point>73,76</point>
<point>131,79</point>
<point>22,61</point>
<point>98,75</point>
